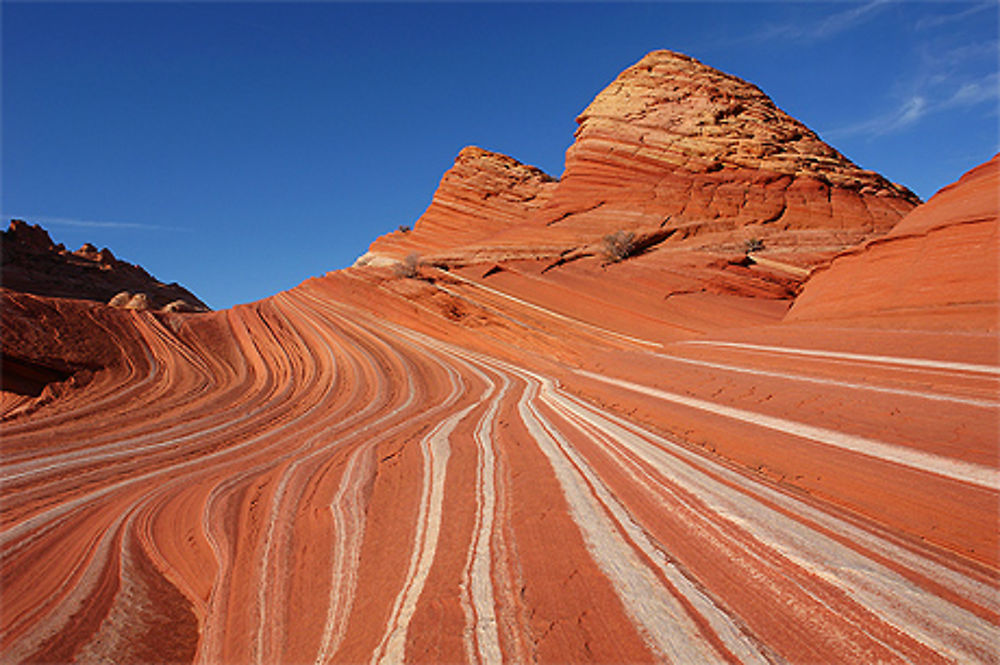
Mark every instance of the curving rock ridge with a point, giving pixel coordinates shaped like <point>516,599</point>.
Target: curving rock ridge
<point>32,263</point>
<point>338,474</point>
<point>938,263</point>
<point>482,193</point>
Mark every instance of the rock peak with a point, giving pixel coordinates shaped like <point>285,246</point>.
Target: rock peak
<point>483,193</point>
<point>31,235</point>
<point>475,157</point>
<point>672,148</point>
<point>685,113</point>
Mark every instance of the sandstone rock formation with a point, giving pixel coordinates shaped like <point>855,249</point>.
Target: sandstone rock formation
<point>483,193</point>
<point>138,301</point>
<point>179,306</point>
<point>530,457</point>
<point>671,137</point>
<point>672,149</point>
<point>120,299</point>
<point>939,261</point>
<point>32,263</point>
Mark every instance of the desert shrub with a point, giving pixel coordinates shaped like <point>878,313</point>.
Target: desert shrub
<point>408,267</point>
<point>753,245</point>
<point>619,245</point>
<point>403,228</point>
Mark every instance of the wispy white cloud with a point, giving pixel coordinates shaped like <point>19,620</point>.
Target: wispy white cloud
<point>827,27</point>
<point>89,223</point>
<point>904,115</point>
<point>975,92</point>
<point>915,107</point>
<point>936,21</point>
<point>962,54</point>
<point>909,113</point>
<point>845,20</point>
<point>949,74</point>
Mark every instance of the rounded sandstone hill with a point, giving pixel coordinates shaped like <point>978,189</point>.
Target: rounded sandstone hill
<point>938,264</point>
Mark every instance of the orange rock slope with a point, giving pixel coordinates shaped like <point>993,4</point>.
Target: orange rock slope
<point>525,455</point>
<point>941,260</point>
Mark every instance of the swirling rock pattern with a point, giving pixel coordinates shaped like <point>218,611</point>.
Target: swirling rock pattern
<point>508,461</point>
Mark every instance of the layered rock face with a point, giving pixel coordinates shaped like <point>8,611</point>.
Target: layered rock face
<point>32,263</point>
<point>526,458</point>
<point>483,193</point>
<point>672,149</point>
<point>672,141</point>
<point>939,262</point>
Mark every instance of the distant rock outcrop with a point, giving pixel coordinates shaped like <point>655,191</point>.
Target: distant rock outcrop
<point>32,263</point>
<point>675,142</point>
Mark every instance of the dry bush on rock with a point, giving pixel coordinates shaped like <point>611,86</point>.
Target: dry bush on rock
<point>408,267</point>
<point>618,246</point>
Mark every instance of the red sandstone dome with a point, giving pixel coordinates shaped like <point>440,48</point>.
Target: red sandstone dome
<point>523,450</point>
<point>672,149</point>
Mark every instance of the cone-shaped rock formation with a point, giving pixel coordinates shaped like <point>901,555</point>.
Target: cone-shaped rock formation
<point>672,148</point>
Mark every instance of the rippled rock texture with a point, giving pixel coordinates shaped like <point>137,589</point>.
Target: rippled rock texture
<point>507,456</point>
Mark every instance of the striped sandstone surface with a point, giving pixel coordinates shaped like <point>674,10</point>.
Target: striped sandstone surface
<point>525,453</point>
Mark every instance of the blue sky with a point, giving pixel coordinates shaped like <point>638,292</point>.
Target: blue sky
<point>241,148</point>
